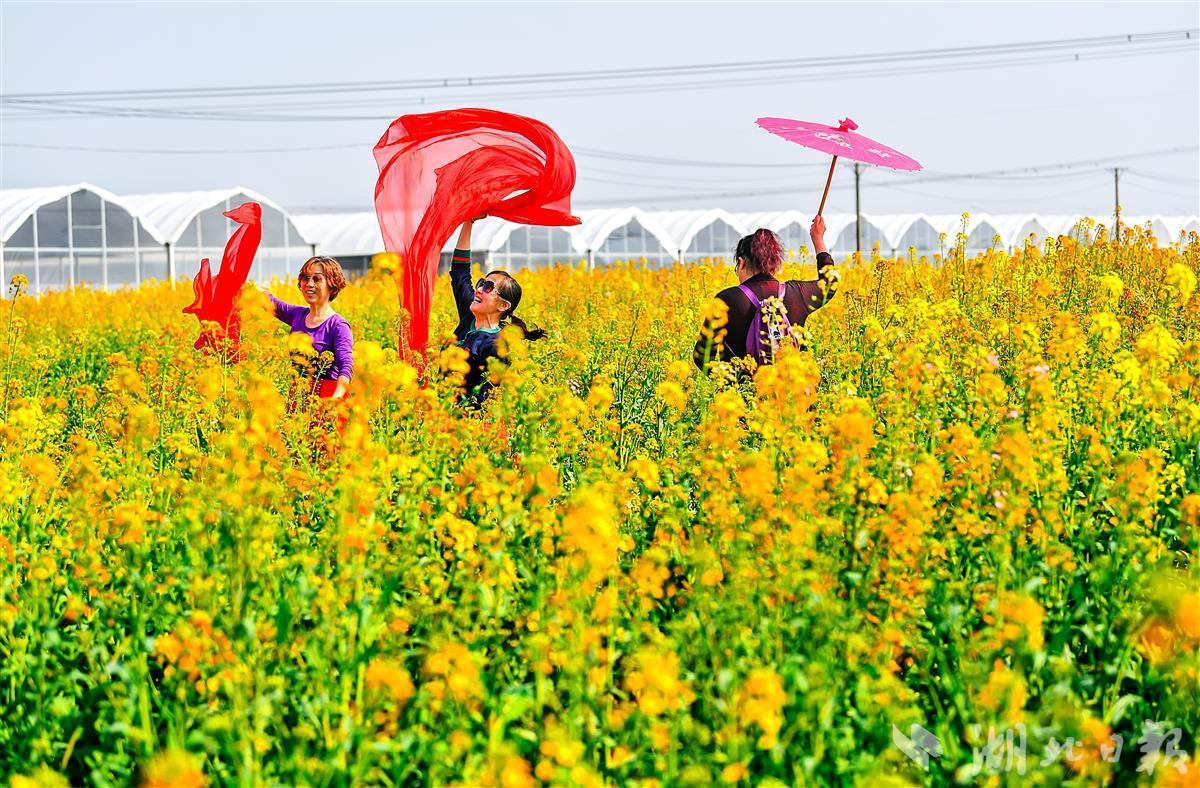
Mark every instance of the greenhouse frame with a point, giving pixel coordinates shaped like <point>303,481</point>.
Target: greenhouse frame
<point>193,227</point>
<point>64,236</point>
<point>658,238</point>
<point>61,236</point>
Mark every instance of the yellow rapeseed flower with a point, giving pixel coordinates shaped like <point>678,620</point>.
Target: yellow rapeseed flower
<point>760,702</point>
<point>391,677</point>
<point>173,768</point>
<point>1181,279</point>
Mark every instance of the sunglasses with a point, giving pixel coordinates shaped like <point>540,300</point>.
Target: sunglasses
<point>486,285</point>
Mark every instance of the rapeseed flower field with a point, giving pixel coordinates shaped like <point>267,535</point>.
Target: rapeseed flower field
<point>971,505</point>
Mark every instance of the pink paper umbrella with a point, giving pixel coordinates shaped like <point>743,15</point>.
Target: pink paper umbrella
<point>841,141</point>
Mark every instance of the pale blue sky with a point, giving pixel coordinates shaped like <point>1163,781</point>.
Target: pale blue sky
<point>953,122</point>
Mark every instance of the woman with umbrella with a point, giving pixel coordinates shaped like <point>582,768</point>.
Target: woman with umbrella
<point>756,328</point>
<point>752,328</point>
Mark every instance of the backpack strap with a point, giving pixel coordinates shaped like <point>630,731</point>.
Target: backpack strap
<point>782,290</point>
<point>754,302</point>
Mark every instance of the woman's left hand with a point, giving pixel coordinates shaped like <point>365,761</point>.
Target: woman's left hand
<point>817,234</point>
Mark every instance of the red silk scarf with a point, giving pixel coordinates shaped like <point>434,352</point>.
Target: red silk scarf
<point>439,169</point>
<point>216,296</point>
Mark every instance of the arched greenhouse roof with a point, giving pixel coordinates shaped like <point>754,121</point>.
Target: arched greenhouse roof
<point>1010,226</point>
<point>171,212</point>
<point>683,226</point>
<point>948,224</point>
<point>165,218</point>
<point>17,205</point>
<point>357,233</point>
<point>772,220</point>
<point>1179,224</point>
<point>1057,224</point>
<point>600,224</point>
<point>349,234</point>
<point>893,227</point>
<point>838,223</point>
<point>487,235</point>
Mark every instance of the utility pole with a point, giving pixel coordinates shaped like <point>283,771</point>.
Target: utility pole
<point>1117,204</point>
<point>857,208</point>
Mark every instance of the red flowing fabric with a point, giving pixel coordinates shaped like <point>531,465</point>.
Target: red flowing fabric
<point>439,169</point>
<point>216,295</point>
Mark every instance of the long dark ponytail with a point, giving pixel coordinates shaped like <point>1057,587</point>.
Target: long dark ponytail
<point>530,333</point>
<point>510,290</point>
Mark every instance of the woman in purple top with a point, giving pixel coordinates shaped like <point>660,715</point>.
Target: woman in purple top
<point>320,281</point>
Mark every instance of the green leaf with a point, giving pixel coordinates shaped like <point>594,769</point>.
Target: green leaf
<point>1120,707</point>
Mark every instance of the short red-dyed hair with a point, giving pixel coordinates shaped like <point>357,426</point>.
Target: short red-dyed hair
<point>332,269</point>
<point>762,250</point>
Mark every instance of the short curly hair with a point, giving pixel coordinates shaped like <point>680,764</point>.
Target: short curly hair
<point>332,269</point>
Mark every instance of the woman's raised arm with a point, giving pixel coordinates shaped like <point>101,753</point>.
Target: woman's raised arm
<point>460,278</point>
<point>825,271</point>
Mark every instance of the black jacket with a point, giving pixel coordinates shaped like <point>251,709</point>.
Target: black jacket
<point>801,298</point>
<point>480,344</point>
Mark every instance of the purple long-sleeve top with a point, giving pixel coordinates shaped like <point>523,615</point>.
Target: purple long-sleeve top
<point>333,335</point>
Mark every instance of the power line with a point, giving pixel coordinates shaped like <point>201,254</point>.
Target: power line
<point>683,187</point>
<point>1009,200</point>
<point>657,178</point>
<point>178,151</point>
<point>999,180</point>
<point>643,159</point>
<point>58,108</point>
<point>1041,168</point>
<point>578,151</point>
<point>908,181</point>
<point>1167,192</point>
<point>973,52</point>
<point>1165,178</point>
<point>743,181</point>
<point>1037,173</point>
<point>210,112</point>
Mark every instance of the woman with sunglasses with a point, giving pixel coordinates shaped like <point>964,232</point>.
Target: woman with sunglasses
<point>757,259</point>
<point>320,280</point>
<point>483,310</point>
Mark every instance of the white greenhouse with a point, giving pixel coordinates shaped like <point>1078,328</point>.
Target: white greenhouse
<point>64,236</point>
<point>608,236</point>
<point>192,227</point>
<point>658,238</point>
<point>353,238</point>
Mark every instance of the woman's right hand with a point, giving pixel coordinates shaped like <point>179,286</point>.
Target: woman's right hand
<point>265,293</point>
<point>464,235</point>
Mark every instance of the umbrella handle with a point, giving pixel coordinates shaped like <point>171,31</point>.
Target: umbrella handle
<point>828,181</point>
